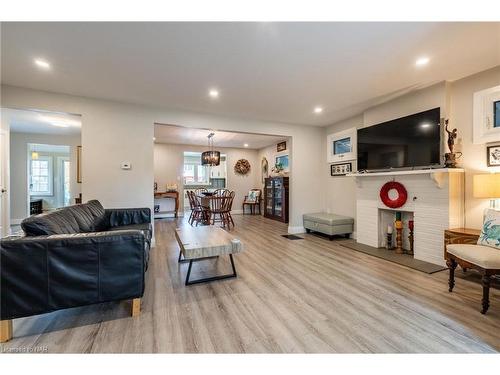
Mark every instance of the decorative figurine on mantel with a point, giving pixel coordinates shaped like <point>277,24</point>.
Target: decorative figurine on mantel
<point>450,158</point>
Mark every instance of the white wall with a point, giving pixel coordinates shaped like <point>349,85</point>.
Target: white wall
<point>19,169</point>
<point>341,190</point>
<point>455,100</point>
<point>474,156</point>
<point>169,162</point>
<point>270,154</point>
<point>113,132</point>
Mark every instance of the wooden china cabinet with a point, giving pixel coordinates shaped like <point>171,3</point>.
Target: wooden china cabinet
<point>276,198</point>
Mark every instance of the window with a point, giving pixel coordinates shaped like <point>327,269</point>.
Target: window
<point>41,176</point>
<point>194,172</point>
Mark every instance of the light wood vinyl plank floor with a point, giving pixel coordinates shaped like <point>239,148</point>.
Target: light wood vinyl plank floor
<point>302,296</point>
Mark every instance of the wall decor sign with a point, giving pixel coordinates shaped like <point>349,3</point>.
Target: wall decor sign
<point>340,169</point>
<point>281,146</point>
<point>493,156</point>
<point>341,146</point>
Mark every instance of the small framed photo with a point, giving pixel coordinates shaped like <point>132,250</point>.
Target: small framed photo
<point>493,156</point>
<point>281,146</point>
<point>340,169</point>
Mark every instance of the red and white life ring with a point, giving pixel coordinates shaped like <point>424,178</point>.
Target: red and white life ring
<point>396,202</point>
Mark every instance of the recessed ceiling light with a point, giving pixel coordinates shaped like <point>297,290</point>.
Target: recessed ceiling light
<point>318,110</point>
<point>154,139</point>
<point>245,145</point>
<point>42,64</point>
<point>213,93</point>
<point>422,61</point>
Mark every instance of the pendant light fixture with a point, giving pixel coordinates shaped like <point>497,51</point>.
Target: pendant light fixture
<point>210,157</point>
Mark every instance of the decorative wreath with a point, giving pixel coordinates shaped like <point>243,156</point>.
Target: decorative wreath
<point>242,166</point>
<point>402,194</point>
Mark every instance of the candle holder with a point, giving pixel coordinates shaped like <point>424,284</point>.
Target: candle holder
<point>388,244</point>
<point>410,237</point>
<point>398,224</point>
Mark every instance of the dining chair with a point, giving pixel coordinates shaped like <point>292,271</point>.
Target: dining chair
<point>197,213</point>
<point>228,206</point>
<point>217,208</point>
<point>221,192</point>
<point>200,190</point>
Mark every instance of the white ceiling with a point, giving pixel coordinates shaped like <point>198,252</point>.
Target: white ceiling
<point>198,137</point>
<point>27,121</point>
<point>267,71</point>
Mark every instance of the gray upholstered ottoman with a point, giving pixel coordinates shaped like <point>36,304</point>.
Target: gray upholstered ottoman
<point>329,224</point>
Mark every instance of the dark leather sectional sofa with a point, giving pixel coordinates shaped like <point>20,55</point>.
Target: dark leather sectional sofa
<point>74,256</point>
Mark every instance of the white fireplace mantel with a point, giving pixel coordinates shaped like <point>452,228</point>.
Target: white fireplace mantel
<point>437,174</point>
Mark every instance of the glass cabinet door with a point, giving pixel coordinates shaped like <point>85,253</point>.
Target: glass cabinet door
<point>269,197</point>
<point>278,198</point>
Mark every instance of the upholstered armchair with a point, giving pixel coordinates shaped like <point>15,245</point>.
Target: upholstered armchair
<point>252,199</point>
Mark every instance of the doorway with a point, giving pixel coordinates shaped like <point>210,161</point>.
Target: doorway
<point>42,164</point>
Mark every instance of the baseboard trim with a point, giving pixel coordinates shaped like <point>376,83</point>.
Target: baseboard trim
<point>296,230</point>
<point>15,221</point>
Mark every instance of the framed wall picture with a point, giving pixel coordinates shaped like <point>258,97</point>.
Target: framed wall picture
<point>340,169</point>
<point>493,156</point>
<point>281,146</point>
<point>283,160</point>
<point>342,146</point>
<point>486,120</point>
<point>79,164</point>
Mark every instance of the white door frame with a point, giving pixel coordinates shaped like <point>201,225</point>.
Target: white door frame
<point>4,178</point>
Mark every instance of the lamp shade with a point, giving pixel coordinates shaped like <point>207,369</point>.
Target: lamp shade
<point>486,186</point>
<point>211,158</point>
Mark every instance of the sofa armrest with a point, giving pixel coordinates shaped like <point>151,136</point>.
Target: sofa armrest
<point>116,217</point>
<point>46,273</point>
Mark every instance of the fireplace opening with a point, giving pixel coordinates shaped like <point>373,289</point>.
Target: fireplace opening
<point>390,223</point>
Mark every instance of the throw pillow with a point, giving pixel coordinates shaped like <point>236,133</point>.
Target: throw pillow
<point>252,196</point>
<point>490,234</point>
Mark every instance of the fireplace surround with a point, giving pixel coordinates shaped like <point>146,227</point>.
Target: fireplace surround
<point>435,203</point>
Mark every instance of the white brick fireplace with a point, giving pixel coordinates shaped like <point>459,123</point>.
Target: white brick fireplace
<point>435,202</point>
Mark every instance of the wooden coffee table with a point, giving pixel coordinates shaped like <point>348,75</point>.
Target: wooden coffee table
<point>206,242</point>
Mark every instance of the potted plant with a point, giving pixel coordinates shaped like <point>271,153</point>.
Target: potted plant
<point>278,169</point>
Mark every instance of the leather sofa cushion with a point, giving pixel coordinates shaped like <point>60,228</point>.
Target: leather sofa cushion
<point>55,222</point>
<point>145,228</point>
<point>482,256</point>
<point>87,217</point>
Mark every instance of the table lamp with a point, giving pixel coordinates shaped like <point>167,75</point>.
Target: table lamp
<point>487,186</point>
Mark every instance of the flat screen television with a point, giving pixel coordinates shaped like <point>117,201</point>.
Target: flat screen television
<point>411,141</point>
